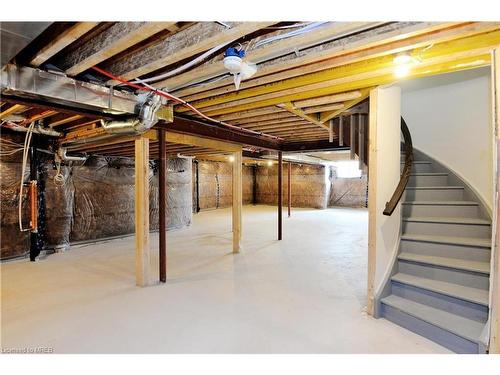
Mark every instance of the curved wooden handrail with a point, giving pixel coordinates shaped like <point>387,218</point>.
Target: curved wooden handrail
<point>405,175</point>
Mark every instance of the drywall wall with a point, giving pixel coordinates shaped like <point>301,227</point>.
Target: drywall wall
<point>384,169</point>
<point>309,185</point>
<point>449,117</point>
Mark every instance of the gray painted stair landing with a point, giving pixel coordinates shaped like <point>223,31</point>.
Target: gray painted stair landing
<point>440,280</point>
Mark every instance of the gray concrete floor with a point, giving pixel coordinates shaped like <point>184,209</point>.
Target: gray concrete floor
<point>305,294</point>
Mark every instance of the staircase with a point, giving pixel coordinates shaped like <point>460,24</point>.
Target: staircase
<point>439,283</point>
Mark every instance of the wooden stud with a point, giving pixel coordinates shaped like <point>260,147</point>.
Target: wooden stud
<point>352,139</point>
<point>361,141</point>
<point>298,112</point>
<point>237,200</point>
<point>341,130</point>
<point>330,132</point>
<point>142,251</point>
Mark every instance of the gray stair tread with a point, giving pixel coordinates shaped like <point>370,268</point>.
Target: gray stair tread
<point>461,264</point>
<point>418,162</point>
<point>447,220</point>
<point>463,327</point>
<point>429,174</point>
<point>443,203</point>
<point>464,241</point>
<point>434,187</point>
<point>479,296</point>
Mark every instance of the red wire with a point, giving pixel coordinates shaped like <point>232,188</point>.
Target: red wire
<point>175,99</point>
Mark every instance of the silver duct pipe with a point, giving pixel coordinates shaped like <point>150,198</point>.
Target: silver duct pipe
<point>180,156</point>
<point>146,119</point>
<point>62,153</point>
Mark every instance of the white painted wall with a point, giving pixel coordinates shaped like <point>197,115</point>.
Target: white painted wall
<point>384,169</point>
<point>449,117</point>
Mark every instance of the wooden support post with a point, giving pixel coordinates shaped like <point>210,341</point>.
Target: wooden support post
<point>361,141</point>
<point>162,182</point>
<point>142,256</point>
<point>341,131</point>
<point>289,191</point>
<point>330,131</point>
<point>280,195</point>
<point>237,200</point>
<point>352,139</point>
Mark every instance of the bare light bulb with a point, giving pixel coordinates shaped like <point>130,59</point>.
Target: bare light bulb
<point>401,71</point>
<point>269,163</point>
<point>231,158</point>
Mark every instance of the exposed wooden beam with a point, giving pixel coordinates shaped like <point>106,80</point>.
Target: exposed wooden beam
<point>300,113</point>
<point>61,119</point>
<point>325,116</point>
<point>111,41</point>
<point>323,108</point>
<point>61,41</point>
<point>251,113</point>
<point>11,109</point>
<point>184,44</point>
<point>214,68</point>
<point>329,99</point>
<point>387,40</point>
<point>189,126</point>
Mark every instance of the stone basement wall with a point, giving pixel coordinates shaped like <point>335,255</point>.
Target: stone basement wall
<point>96,202</point>
<point>216,186</point>
<point>347,192</point>
<point>309,188</point>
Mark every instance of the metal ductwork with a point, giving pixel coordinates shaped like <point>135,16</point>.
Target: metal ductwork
<point>62,154</point>
<point>144,121</point>
<point>14,36</point>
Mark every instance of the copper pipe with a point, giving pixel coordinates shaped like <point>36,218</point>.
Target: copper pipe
<point>34,206</point>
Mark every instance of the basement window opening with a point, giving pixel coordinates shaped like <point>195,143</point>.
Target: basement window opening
<point>347,169</point>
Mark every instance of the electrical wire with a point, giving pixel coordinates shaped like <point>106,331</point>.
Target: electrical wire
<point>174,98</point>
<point>288,26</point>
<point>195,61</point>
<point>27,142</point>
<point>312,26</point>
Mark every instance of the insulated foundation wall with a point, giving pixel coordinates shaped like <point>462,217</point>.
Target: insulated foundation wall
<point>348,192</point>
<point>96,201</point>
<point>215,184</point>
<point>308,184</point>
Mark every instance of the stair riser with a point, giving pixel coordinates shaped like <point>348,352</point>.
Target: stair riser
<point>420,168</point>
<point>428,181</point>
<point>446,250</point>
<point>461,277</point>
<point>445,229</point>
<point>440,210</point>
<point>442,337</point>
<point>433,195</point>
<point>453,305</point>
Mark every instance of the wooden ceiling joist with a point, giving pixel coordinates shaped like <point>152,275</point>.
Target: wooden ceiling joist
<point>387,40</point>
<point>323,108</point>
<point>9,109</point>
<point>184,44</point>
<point>300,113</point>
<point>251,113</point>
<point>270,51</point>
<point>108,43</point>
<point>328,115</point>
<point>61,41</point>
<point>329,99</point>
